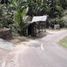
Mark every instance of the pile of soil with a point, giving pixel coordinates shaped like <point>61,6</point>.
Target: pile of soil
<point>5,33</point>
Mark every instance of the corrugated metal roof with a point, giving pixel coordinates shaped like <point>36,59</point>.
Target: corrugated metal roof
<point>39,18</point>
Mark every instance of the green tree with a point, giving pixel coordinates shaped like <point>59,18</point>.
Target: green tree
<point>63,3</point>
<point>37,7</point>
<point>55,8</point>
<point>20,11</point>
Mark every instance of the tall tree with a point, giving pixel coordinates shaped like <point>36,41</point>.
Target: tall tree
<point>55,8</point>
<point>37,7</point>
<point>64,3</point>
<point>20,11</point>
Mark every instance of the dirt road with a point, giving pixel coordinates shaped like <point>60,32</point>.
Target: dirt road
<point>44,52</point>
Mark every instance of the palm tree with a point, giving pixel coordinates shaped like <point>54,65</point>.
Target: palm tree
<point>64,3</point>
<point>37,7</point>
<point>19,11</point>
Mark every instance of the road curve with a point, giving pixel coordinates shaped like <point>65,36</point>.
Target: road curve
<point>44,52</point>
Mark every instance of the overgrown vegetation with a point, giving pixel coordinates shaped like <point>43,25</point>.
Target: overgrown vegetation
<point>63,42</point>
<point>12,12</point>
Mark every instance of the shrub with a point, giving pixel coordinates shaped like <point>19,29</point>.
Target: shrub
<point>54,21</point>
<point>65,20</point>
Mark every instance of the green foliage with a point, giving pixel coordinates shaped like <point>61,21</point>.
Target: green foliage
<point>63,3</point>
<point>64,18</point>
<point>56,9</point>
<point>12,14</point>
<point>63,42</point>
<point>37,7</point>
<point>19,19</point>
<point>20,12</point>
<point>5,16</point>
<point>54,21</point>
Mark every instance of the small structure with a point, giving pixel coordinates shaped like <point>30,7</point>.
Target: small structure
<point>37,25</point>
<point>56,26</point>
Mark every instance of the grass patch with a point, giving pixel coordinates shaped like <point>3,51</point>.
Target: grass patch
<point>63,42</point>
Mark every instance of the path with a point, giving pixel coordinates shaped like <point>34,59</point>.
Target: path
<point>44,52</point>
<point>5,48</point>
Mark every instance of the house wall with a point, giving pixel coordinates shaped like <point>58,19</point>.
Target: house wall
<point>35,28</point>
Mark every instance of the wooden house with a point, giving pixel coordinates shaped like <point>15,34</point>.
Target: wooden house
<point>36,26</point>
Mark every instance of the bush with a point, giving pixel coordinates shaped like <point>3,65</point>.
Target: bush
<point>54,21</point>
<point>5,16</point>
<point>65,20</point>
